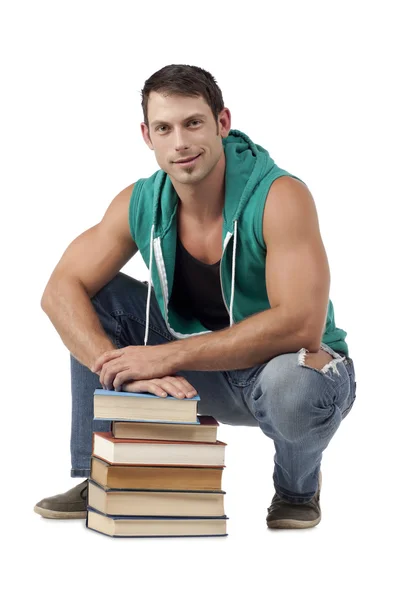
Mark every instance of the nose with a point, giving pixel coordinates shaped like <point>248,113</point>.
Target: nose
<point>180,142</point>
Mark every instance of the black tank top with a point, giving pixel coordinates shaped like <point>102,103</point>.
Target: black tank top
<point>196,290</point>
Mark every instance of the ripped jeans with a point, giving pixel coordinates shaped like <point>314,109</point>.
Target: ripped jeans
<point>297,406</point>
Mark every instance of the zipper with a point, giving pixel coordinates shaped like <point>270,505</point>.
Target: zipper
<point>164,288</point>
<point>226,242</point>
<point>162,278</point>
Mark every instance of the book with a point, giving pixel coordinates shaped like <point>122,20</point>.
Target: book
<point>156,478</point>
<point>156,452</point>
<point>205,431</point>
<point>153,503</point>
<point>135,406</point>
<point>133,526</point>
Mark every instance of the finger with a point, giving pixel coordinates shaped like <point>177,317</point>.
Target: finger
<point>104,373</point>
<point>159,387</point>
<point>98,364</point>
<point>109,372</point>
<point>173,386</point>
<point>184,385</point>
<point>105,357</point>
<point>144,385</point>
<point>170,385</point>
<point>121,377</point>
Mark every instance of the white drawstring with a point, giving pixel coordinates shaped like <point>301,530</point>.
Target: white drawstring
<point>146,335</point>
<point>233,275</point>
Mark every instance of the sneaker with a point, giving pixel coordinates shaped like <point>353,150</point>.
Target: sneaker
<point>287,515</point>
<point>70,505</point>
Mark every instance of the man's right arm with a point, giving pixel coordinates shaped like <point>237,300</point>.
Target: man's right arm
<point>89,263</point>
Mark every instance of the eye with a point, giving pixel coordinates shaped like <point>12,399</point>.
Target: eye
<point>159,127</point>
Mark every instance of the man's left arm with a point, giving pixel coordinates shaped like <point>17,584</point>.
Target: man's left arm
<point>297,281</point>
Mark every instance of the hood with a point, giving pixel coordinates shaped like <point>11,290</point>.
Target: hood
<point>247,164</point>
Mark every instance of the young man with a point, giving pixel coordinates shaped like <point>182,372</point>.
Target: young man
<point>237,308</point>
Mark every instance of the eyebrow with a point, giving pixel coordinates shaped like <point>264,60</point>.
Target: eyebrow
<point>187,119</point>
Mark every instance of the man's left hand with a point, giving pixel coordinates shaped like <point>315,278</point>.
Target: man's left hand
<point>115,367</point>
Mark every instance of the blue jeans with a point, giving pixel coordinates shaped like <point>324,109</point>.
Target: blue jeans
<point>295,405</point>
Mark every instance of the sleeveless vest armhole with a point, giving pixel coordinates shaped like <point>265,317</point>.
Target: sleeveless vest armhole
<point>258,225</point>
<point>133,210</point>
<point>259,213</point>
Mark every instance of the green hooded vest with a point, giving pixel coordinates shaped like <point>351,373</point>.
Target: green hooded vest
<point>249,173</point>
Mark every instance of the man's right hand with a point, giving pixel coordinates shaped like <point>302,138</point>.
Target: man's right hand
<point>172,385</point>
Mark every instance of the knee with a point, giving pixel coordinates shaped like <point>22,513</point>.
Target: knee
<point>114,297</point>
<point>290,400</point>
<point>121,307</point>
<point>112,290</point>
<point>108,305</point>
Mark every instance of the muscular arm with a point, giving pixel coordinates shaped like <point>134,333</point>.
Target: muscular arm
<point>88,263</point>
<point>297,279</point>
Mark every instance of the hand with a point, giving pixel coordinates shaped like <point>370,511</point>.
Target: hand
<point>137,363</point>
<point>172,385</point>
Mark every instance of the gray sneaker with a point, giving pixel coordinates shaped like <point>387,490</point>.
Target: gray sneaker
<point>287,515</point>
<point>70,505</point>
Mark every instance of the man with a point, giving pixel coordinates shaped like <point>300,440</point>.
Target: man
<point>237,308</point>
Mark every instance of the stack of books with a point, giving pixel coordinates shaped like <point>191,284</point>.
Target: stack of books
<point>158,472</point>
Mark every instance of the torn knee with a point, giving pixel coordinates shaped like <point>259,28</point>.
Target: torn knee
<point>322,360</point>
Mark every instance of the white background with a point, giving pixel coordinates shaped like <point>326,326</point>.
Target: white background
<point>316,84</point>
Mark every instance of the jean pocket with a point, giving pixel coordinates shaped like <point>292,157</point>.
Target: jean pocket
<point>353,386</point>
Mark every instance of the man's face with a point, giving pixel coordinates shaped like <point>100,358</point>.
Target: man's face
<point>182,127</point>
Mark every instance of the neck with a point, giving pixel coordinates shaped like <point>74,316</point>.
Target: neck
<point>204,201</point>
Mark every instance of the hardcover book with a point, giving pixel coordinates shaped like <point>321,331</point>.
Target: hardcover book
<point>132,406</point>
<point>205,431</point>
<point>157,452</point>
<point>155,503</point>
<point>125,526</point>
<point>156,477</point>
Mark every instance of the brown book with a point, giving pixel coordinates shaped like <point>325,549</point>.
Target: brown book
<point>154,503</point>
<point>157,452</point>
<point>156,478</point>
<point>206,431</point>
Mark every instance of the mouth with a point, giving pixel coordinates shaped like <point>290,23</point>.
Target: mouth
<point>190,161</point>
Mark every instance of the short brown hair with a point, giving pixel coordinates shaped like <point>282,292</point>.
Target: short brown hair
<point>185,80</point>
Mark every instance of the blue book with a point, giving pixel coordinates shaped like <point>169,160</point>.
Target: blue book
<point>110,405</point>
<point>140,526</point>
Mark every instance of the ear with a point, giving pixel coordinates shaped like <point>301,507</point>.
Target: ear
<point>146,136</point>
<point>225,121</point>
